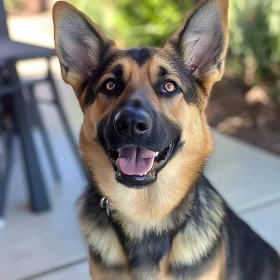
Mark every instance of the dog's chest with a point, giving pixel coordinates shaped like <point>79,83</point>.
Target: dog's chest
<point>192,250</point>
<point>150,257</point>
<point>134,259</point>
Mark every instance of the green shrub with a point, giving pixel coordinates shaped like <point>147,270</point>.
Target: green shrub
<point>147,22</point>
<point>150,22</point>
<point>255,33</point>
<point>11,5</point>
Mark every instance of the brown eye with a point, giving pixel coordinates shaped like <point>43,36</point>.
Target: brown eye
<point>110,85</point>
<point>170,87</point>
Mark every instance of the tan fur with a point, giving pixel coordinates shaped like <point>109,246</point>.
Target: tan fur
<point>164,269</point>
<point>99,273</point>
<point>106,243</point>
<point>216,271</point>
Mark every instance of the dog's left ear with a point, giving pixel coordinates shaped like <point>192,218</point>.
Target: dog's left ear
<point>201,41</point>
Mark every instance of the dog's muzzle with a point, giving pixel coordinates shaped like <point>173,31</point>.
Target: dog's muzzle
<point>138,141</point>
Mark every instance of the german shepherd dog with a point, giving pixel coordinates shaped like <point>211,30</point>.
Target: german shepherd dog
<point>149,213</point>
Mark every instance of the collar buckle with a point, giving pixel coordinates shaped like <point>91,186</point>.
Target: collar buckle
<point>104,204</point>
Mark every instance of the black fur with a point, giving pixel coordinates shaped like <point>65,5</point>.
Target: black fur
<point>147,251</point>
<point>140,55</point>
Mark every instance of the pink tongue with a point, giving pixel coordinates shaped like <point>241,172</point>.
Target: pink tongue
<point>135,160</point>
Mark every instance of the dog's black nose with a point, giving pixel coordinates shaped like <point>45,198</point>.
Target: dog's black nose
<point>133,122</point>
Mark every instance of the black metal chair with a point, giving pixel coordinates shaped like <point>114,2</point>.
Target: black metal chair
<point>11,90</point>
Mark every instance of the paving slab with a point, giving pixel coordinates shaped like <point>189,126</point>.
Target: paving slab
<point>246,176</point>
<point>75,272</point>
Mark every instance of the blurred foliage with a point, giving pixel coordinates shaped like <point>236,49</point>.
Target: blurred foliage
<point>11,5</point>
<point>255,40</point>
<point>153,21</point>
<point>149,22</point>
<point>102,12</point>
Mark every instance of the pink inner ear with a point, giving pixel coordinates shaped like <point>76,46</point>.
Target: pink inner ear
<point>203,39</point>
<point>200,52</point>
<point>192,67</point>
<point>79,57</point>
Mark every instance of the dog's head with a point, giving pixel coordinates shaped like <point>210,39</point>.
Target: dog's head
<point>144,119</point>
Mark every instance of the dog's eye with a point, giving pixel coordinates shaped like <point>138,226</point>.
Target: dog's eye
<point>110,85</point>
<point>169,87</point>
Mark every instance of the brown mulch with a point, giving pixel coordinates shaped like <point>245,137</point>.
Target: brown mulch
<point>255,121</point>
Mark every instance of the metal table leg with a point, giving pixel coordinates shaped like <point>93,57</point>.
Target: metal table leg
<point>41,126</point>
<point>37,188</point>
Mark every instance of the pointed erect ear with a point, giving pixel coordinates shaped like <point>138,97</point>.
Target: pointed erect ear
<point>79,44</point>
<point>202,41</point>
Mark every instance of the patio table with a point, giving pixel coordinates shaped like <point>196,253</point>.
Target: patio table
<point>12,50</point>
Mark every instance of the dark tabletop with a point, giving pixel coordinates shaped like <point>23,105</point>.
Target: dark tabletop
<point>11,50</point>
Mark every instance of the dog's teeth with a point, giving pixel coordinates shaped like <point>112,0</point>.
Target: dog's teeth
<point>156,154</point>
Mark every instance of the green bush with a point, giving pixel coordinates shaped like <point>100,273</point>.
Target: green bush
<point>143,23</point>
<point>255,33</point>
<point>150,22</point>
<point>11,5</point>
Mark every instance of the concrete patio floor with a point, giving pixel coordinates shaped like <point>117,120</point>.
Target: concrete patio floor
<point>50,247</point>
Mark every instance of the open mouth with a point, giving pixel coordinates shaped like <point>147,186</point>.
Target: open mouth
<point>137,166</point>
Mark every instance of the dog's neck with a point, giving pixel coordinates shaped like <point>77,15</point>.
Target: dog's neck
<point>192,228</point>
<point>195,196</point>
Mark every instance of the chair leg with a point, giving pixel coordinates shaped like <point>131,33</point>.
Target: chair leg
<point>44,134</point>
<point>65,123</point>
<point>35,181</point>
<point>4,177</point>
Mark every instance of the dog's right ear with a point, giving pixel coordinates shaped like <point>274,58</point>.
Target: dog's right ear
<point>79,44</point>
